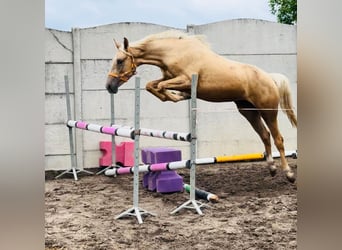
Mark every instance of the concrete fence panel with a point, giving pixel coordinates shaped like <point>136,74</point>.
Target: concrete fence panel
<point>85,55</point>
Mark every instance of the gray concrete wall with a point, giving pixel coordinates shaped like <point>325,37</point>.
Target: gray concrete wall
<point>85,56</point>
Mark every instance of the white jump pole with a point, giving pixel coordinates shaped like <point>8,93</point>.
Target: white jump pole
<point>136,210</point>
<point>129,132</point>
<point>156,167</point>
<point>73,170</point>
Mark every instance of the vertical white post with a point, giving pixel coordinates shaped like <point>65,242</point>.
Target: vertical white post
<point>192,203</point>
<point>136,148</point>
<point>112,122</point>
<point>135,210</point>
<point>193,143</point>
<point>73,170</point>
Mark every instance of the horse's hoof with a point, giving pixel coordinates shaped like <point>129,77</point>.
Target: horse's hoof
<point>273,171</point>
<point>290,177</point>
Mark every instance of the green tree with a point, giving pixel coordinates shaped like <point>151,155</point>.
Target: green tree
<point>285,10</point>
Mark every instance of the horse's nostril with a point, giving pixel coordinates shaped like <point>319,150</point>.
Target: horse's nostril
<point>112,89</point>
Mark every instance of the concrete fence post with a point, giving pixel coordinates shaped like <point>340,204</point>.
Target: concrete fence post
<point>76,41</point>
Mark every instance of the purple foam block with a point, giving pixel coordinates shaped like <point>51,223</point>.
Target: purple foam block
<point>169,182</point>
<point>160,154</point>
<point>144,153</point>
<point>152,181</point>
<point>156,156</point>
<point>145,179</point>
<point>165,155</point>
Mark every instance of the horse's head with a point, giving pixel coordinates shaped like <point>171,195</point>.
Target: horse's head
<point>123,68</point>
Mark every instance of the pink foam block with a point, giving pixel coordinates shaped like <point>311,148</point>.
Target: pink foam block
<point>124,153</point>
<point>106,149</point>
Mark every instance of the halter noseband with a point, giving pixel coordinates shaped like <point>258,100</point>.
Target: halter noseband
<point>126,75</point>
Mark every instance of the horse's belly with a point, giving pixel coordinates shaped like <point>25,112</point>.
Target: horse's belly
<point>217,98</point>
<point>220,95</point>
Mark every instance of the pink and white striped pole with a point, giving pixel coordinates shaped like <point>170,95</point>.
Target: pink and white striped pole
<point>126,131</point>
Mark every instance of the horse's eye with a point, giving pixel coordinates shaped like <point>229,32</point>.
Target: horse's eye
<point>119,62</point>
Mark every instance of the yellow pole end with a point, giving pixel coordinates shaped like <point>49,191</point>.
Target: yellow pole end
<point>244,157</point>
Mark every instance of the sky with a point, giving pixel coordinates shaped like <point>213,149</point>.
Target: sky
<point>67,14</point>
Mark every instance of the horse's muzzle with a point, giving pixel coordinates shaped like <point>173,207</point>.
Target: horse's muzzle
<point>112,84</point>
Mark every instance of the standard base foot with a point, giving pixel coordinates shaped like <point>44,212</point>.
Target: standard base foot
<point>103,170</point>
<point>73,171</point>
<point>135,211</point>
<point>191,204</point>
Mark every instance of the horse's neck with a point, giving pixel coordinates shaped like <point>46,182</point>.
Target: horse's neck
<point>148,54</point>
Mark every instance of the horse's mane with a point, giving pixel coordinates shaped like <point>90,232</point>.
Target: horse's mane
<point>170,34</point>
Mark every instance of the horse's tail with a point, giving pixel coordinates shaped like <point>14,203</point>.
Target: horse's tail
<point>286,105</point>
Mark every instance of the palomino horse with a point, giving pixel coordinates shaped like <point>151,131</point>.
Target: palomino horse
<point>256,93</point>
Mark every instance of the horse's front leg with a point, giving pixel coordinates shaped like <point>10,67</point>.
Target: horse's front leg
<point>176,89</point>
<point>152,87</point>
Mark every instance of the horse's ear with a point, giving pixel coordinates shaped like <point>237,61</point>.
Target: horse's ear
<point>126,43</point>
<point>117,45</point>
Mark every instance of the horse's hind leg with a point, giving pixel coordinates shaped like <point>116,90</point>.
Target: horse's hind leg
<point>254,118</point>
<point>270,117</point>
